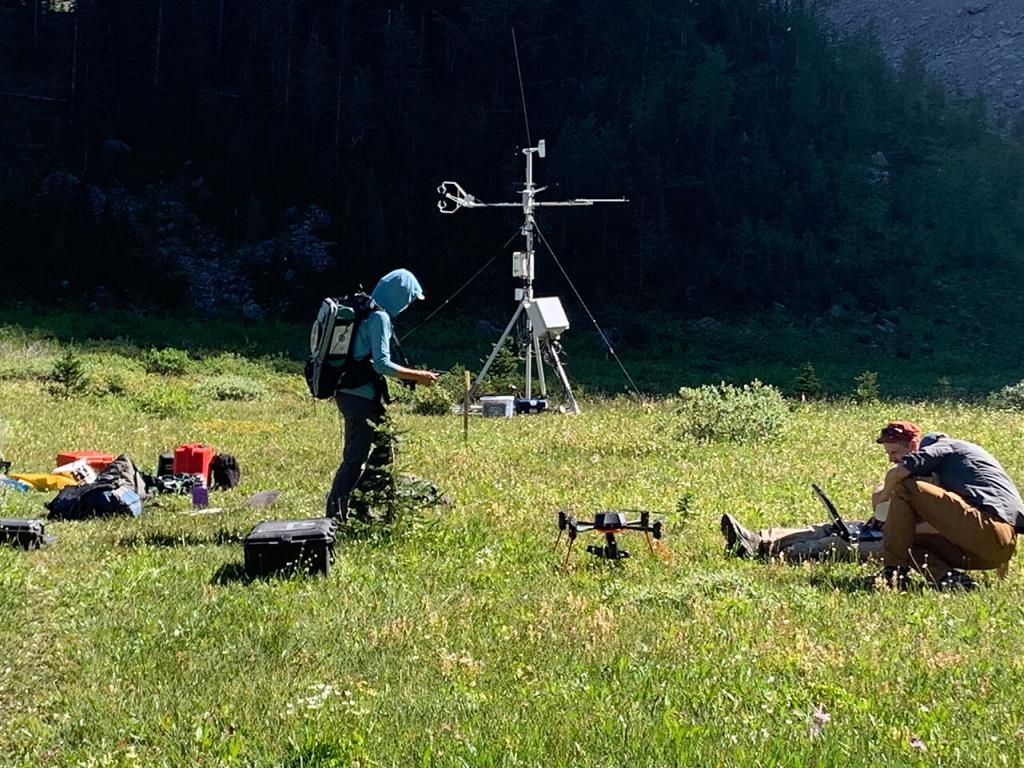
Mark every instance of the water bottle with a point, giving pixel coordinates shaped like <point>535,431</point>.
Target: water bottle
<point>200,494</point>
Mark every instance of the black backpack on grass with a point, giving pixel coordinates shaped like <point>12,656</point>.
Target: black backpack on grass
<point>224,471</point>
<point>330,363</point>
<point>117,490</point>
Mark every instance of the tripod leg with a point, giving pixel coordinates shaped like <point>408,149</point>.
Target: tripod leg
<point>556,363</point>
<point>497,348</point>
<point>540,368</point>
<point>529,363</point>
<point>565,563</point>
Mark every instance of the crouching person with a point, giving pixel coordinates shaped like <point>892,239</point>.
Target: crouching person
<point>362,405</point>
<point>973,507</point>
<point>822,541</point>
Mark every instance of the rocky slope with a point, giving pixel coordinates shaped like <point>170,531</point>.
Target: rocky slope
<point>970,44</point>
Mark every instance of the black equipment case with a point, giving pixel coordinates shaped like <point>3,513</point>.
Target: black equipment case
<point>28,534</point>
<point>288,545</point>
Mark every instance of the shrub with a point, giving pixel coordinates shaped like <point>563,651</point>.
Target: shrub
<point>116,382</point>
<point>386,496</point>
<point>1010,397</point>
<point>232,387</point>
<point>166,362</point>
<point>115,375</point>
<point>432,401</point>
<point>164,401</point>
<point>503,377</point>
<point>807,384</point>
<point>231,363</point>
<point>752,412</point>
<point>448,391</point>
<point>944,389</point>
<point>866,389</point>
<point>68,377</point>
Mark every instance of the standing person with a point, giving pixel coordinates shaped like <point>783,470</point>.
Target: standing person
<point>973,506</point>
<point>362,404</point>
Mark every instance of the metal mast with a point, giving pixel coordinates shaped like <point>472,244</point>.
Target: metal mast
<point>545,319</point>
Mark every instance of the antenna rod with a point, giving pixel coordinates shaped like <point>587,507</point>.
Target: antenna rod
<point>522,93</point>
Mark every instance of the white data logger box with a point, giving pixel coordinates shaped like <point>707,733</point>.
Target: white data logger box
<point>547,317</point>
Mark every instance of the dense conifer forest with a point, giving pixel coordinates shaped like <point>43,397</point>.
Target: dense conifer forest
<point>248,153</point>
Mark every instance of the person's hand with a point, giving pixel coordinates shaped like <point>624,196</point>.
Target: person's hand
<point>873,523</point>
<point>426,378</point>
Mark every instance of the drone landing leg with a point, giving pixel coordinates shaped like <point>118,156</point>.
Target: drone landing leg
<point>565,563</point>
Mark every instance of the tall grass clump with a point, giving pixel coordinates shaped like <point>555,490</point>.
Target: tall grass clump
<point>724,412</point>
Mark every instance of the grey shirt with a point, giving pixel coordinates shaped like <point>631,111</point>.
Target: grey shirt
<point>974,474</point>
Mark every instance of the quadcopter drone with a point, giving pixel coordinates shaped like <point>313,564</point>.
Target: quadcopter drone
<point>608,522</point>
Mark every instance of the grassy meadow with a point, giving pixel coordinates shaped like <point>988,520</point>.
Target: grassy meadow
<point>453,637</point>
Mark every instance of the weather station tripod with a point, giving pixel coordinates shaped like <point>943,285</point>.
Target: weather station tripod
<point>544,317</point>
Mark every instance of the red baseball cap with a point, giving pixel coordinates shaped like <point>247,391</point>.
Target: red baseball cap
<point>899,432</point>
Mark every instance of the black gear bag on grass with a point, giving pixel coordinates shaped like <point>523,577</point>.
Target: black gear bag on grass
<point>224,471</point>
<point>330,364</point>
<point>117,490</point>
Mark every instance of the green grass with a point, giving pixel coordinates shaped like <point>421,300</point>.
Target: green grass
<point>949,350</point>
<point>455,638</point>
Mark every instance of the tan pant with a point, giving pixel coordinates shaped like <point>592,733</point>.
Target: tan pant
<point>965,537</point>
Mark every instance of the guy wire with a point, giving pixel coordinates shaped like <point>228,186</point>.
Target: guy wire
<point>586,309</point>
<point>522,93</point>
<point>459,290</point>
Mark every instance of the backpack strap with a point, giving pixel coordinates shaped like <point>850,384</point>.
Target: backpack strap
<point>358,372</point>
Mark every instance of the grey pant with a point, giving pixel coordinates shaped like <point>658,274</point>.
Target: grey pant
<point>815,542</point>
<point>361,416</point>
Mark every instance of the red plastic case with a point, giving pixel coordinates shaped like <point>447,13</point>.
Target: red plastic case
<point>98,460</point>
<point>194,458</point>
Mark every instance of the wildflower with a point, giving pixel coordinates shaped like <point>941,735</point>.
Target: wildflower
<point>818,719</point>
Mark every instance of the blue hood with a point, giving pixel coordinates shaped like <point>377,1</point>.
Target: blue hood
<point>397,290</point>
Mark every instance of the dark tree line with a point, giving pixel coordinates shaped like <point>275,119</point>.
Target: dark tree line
<point>151,143</point>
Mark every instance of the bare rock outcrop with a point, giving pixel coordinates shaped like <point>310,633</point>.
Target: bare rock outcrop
<point>970,44</point>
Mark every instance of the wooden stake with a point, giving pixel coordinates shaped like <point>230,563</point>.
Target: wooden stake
<point>465,411</point>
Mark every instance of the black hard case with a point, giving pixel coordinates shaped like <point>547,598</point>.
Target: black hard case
<point>28,534</point>
<point>287,545</point>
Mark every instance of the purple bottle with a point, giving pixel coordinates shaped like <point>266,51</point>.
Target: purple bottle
<point>200,495</point>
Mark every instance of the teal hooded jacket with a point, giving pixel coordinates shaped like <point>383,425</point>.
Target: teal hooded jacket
<point>393,294</point>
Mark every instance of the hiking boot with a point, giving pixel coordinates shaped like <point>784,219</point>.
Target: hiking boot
<point>739,541</point>
<point>955,581</point>
<point>895,577</point>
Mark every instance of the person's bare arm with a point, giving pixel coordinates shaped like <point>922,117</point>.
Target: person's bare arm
<point>893,477</point>
<point>878,495</point>
<point>426,378</point>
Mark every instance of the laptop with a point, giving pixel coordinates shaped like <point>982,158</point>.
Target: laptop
<point>851,532</point>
